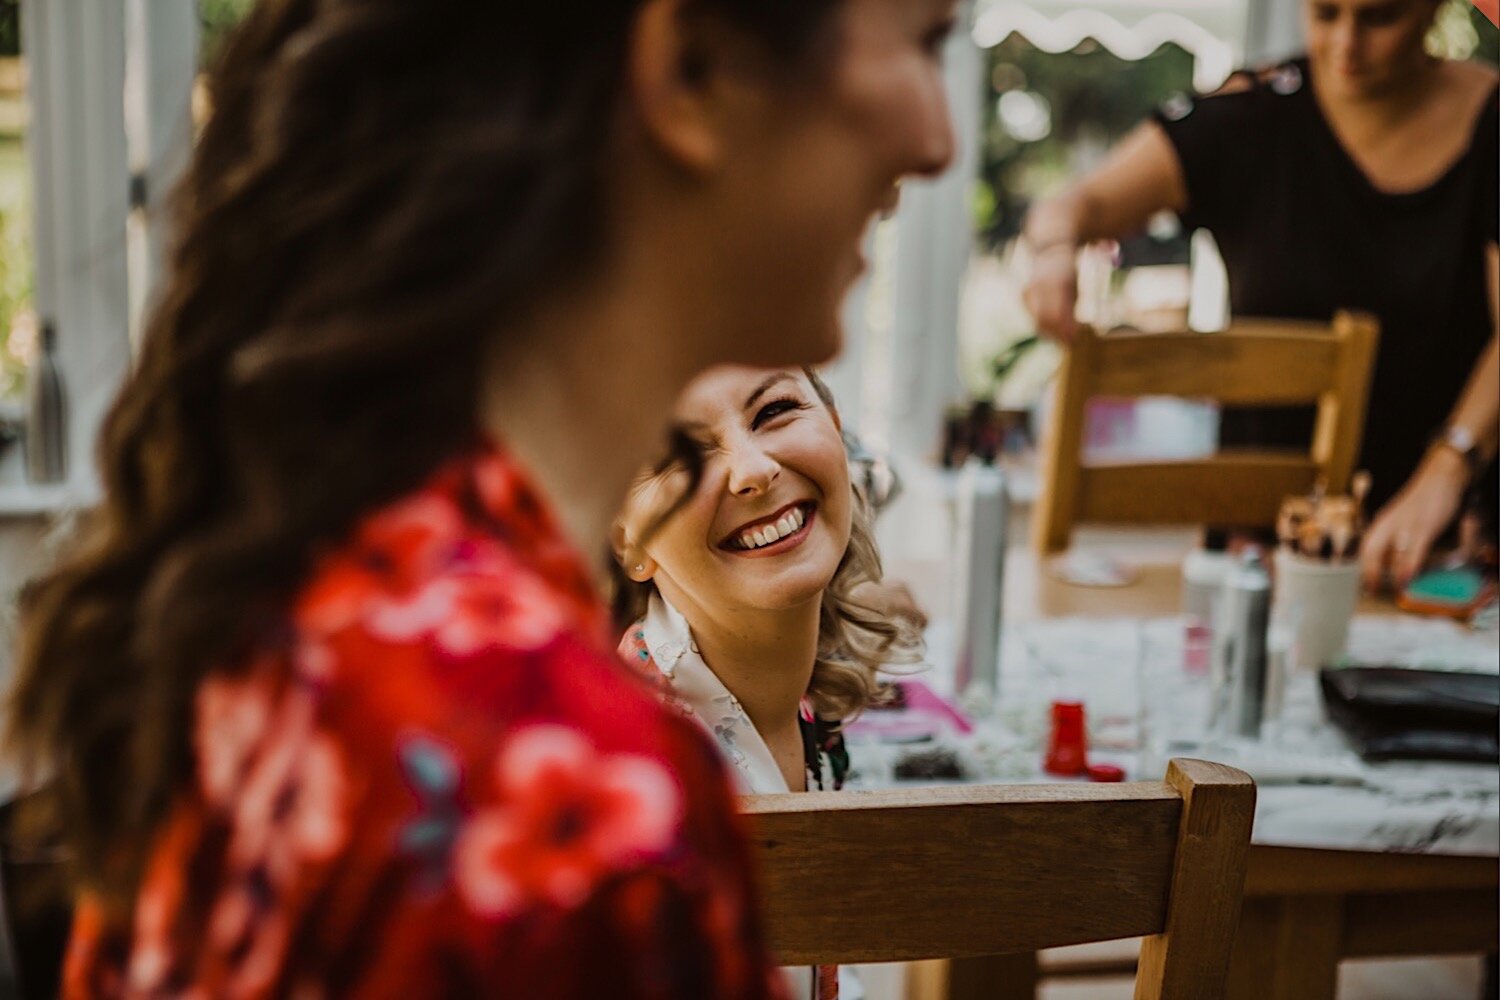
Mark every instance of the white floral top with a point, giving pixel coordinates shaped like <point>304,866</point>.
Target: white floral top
<point>663,640</point>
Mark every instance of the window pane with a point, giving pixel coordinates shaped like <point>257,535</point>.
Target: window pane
<point>17,322</point>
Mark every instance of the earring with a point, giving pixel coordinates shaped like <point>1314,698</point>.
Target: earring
<point>640,567</point>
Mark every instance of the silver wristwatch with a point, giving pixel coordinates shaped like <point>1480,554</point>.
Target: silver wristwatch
<point>1461,440</point>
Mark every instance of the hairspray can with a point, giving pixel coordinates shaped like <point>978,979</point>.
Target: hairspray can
<point>1239,650</point>
<point>982,509</point>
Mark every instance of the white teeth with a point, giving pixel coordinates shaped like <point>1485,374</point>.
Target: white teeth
<point>763,536</point>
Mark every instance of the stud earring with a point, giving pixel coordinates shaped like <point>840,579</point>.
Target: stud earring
<point>639,567</point>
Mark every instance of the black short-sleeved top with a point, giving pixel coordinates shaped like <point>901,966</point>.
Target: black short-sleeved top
<point>1304,233</point>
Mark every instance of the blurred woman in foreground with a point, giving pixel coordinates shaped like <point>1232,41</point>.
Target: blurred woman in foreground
<point>325,688</point>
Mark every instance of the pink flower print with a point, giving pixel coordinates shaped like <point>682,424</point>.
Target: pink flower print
<point>314,661</point>
<point>159,901</point>
<point>233,714</point>
<point>394,551</point>
<point>315,824</point>
<point>415,534</point>
<point>498,483</point>
<point>567,818</point>
<point>151,957</point>
<point>232,918</point>
<point>470,614</point>
<point>293,808</point>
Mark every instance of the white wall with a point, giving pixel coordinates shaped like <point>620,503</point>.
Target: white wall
<point>1273,30</point>
<point>934,236</point>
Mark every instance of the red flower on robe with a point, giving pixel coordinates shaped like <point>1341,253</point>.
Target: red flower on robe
<point>567,817</point>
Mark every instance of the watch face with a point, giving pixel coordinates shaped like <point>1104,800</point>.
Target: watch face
<point>1459,439</point>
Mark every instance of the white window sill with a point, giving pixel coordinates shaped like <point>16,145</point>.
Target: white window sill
<point>25,500</point>
<point>18,498</point>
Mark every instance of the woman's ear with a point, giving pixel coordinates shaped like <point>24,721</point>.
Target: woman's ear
<point>680,66</point>
<point>632,557</point>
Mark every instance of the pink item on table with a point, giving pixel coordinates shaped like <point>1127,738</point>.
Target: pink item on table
<point>922,714</point>
<point>1197,645</point>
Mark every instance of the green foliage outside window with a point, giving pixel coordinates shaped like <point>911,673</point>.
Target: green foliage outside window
<point>10,27</point>
<point>15,261</point>
<point>216,18</point>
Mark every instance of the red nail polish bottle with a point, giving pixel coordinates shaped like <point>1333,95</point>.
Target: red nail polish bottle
<point>1067,750</point>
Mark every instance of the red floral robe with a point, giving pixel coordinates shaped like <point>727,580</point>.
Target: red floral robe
<point>437,781</point>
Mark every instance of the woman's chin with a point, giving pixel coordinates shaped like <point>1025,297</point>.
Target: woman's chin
<point>786,594</point>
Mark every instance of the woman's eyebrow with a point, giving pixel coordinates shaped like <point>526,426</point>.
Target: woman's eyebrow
<point>765,386</point>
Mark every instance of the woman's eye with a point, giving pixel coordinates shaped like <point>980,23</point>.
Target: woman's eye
<point>684,453</point>
<point>934,40</point>
<point>773,410</point>
<point>1380,17</point>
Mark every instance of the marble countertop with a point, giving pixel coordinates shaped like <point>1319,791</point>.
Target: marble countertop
<point>1143,707</point>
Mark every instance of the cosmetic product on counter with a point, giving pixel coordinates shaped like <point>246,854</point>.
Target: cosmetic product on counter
<point>982,511</point>
<point>1067,747</point>
<point>1238,670</point>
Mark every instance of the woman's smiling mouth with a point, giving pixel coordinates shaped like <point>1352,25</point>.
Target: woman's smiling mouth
<point>772,535</point>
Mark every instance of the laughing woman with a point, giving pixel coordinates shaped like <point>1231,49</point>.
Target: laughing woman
<point>744,598</point>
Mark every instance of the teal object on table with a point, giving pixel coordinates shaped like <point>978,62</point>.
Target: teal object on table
<point>1448,586</point>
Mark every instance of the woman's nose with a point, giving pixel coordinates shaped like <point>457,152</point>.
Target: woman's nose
<point>1346,38</point>
<point>751,471</point>
<point>937,143</point>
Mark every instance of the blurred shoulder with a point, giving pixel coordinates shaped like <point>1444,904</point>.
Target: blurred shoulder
<point>1474,77</point>
<point>1473,87</point>
<point>1245,94</point>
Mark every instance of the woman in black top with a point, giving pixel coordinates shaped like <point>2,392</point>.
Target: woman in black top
<point>1363,176</point>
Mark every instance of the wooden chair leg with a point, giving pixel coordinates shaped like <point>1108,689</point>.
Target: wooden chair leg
<point>1287,949</point>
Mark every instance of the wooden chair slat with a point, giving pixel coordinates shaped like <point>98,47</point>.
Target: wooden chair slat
<point>1242,488</point>
<point>964,872</point>
<point>1267,367</point>
<point>1254,362</point>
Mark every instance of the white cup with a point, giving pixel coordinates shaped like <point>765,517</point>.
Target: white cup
<point>1317,601</point>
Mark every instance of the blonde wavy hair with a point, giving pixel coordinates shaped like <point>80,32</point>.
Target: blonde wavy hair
<point>855,640</point>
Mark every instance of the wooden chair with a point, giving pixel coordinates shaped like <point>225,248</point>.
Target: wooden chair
<point>965,872</point>
<point>1253,363</point>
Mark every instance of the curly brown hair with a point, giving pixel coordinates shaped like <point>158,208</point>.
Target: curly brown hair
<point>382,186</point>
<point>855,641</point>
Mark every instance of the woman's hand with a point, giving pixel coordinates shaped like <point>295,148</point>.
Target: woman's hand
<point>1399,542</point>
<point>1051,296</point>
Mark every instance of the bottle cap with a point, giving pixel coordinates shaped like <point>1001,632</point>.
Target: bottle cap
<point>1106,772</point>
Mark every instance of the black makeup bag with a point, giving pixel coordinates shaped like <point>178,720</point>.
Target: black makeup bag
<point>1393,713</point>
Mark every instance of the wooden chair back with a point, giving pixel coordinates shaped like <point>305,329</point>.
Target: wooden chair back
<point>955,872</point>
<point>1253,363</point>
